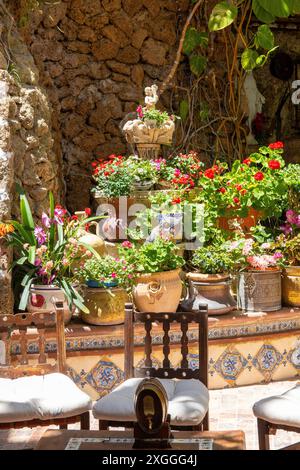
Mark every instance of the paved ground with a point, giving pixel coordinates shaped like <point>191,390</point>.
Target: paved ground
<point>229,409</point>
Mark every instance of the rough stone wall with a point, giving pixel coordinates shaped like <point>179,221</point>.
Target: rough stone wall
<point>95,57</point>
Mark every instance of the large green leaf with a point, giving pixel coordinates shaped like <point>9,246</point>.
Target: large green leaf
<point>222,16</point>
<point>264,37</point>
<point>197,64</point>
<point>280,8</point>
<point>27,219</point>
<point>24,234</point>
<point>25,295</point>
<point>249,58</point>
<point>261,14</point>
<point>31,254</point>
<point>194,38</point>
<point>52,228</point>
<point>184,109</point>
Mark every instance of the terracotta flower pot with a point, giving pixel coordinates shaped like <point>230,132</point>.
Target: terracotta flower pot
<point>210,289</point>
<point>41,300</point>
<point>260,290</point>
<point>291,286</point>
<point>106,308</point>
<point>158,292</point>
<point>246,223</point>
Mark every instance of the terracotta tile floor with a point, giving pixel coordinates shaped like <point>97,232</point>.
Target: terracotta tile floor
<point>229,409</point>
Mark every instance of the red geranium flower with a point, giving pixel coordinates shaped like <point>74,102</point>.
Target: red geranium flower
<point>88,211</point>
<point>259,176</point>
<point>239,187</point>
<point>209,173</point>
<point>222,190</point>
<point>236,200</point>
<point>274,164</point>
<point>94,164</point>
<point>243,192</point>
<point>247,161</point>
<point>176,200</point>
<point>276,145</point>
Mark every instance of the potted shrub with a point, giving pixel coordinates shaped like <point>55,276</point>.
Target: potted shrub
<point>157,287</point>
<point>259,274</point>
<point>46,255</point>
<point>209,281</point>
<point>289,244</point>
<point>180,172</point>
<point>105,293</point>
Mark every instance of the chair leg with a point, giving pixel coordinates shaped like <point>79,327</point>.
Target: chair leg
<point>205,423</point>
<point>85,421</point>
<point>103,425</point>
<point>263,434</point>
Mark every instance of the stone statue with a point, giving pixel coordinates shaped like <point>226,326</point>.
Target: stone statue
<point>143,131</point>
<point>253,105</point>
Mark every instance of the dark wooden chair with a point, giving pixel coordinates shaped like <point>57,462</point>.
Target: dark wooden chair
<point>18,369</point>
<point>108,410</point>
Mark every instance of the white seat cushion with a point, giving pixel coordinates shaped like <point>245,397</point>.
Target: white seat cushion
<point>188,402</point>
<point>280,409</point>
<point>41,397</point>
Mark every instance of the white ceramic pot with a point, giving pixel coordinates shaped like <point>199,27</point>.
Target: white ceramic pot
<point>41,300</point>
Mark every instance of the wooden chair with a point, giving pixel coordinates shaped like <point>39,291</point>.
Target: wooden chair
<point>277,412</point>
<point>188,395</point>
<point>37,394</point>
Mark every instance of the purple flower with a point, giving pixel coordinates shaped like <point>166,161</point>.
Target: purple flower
<point>286,229</point>
<point>46,220</point>
<point>40,235</point>
<point>59,213</point>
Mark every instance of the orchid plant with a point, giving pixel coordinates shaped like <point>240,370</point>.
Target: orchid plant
<point>289,241</point>
<point>47,253</point>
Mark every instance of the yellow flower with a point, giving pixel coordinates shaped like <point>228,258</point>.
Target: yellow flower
<point>5,229</point>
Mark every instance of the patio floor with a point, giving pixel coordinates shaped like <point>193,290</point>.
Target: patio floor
<point>229,409</point>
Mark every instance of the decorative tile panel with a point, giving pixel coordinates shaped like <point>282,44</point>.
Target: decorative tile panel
<point>104,376</point>
<point>230,364</point>
<point>267,360</point>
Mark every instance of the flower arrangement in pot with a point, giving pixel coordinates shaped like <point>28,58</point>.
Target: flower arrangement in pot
<point>143,172</point>
<point>157,287</point>
<point>259,274</point>
<point>107,281</point>
<point>209,280</point>
<point>111,177</point>
<point>289,245</point>
<point>45,257</point>
<point>252,190</point>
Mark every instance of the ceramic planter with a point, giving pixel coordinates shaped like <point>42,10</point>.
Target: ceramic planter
<point>41,300</point>
<point>158,292</point>
<point>259,290</point>
<point>106,306</point>
<point>291,286</point>
<point>228,222</point>
<point>210,289</point>
<point>145,185</point>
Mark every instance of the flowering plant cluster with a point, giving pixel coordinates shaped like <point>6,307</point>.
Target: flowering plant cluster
<point>257,182</point>
<point>154,257</point>
<point>153,116</point>
<point>289,241</point>
<point>107,272</point>
<point>141,170</point>
<point>112,177</point>
<point>212,259</point>
<point>183,170</point>
<point>47,253</point>
<point>247,254</point>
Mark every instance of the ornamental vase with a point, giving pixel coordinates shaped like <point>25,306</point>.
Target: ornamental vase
<point>210,289</point>
<point>106,306</point>
<point>259,291</point>
<point>246,223</point>
<point>291,286</point>
<point>158,292</point>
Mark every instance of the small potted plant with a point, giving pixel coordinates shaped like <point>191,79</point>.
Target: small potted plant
<point>259,274</point>
<point>181,172</point>
<point>289,244</point>
<point>209,280</point>
<point>157,287</point>
<point>143,172</point>
<point>46,255</point>
<point>107,281</point>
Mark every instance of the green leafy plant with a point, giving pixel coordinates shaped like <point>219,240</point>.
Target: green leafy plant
<point>159,117</point>
<point>212,260</point>
<point>106,272</point>
<point>47,253</point>
<point>141,170</point>
<point>155,257</point>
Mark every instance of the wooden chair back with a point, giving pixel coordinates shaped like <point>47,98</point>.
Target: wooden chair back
<point>18,363</point>
<point>184,319</point>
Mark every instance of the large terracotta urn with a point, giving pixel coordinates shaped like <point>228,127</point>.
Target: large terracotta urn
<point>291,286</point>
<point>158,292</point>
